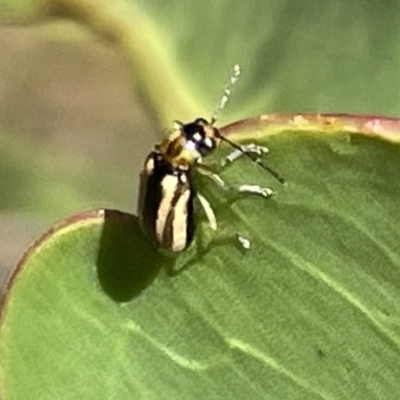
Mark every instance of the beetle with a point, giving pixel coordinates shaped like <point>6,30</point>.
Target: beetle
<point>167,193</point>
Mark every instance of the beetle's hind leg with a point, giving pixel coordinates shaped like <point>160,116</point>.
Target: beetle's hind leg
<point>204,242</point>
<point>218,238</point>
<point>208,211</point>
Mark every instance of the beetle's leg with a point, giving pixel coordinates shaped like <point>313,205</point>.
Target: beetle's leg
<point>205,244</point>
<point>204,170</point>
<point>250,148</point>
<point>209,212</point>
<point>247,148</point>
<point>218,238</point>
<point>202,249</point>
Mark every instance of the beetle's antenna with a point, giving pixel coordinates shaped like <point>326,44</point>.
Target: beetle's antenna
<point>226,93</point>
<point>253,157</point>
<point>225,97</point>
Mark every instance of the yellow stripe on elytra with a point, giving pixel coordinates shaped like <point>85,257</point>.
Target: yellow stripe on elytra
<point>169,185</point>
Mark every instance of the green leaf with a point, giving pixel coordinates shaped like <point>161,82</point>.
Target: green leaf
<point>44,182</point>
<point>311,311</point>
<point>295,56</point>
<point>19,9</point>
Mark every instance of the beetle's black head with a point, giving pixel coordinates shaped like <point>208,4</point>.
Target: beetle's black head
<point>200,136</point>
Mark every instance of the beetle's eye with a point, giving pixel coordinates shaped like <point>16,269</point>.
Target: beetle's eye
<point>206,146</point>
<point>209,143</point>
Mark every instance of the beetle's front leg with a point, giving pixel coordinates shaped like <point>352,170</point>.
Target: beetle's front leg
<point>250,148</point>
<point>246,148</point>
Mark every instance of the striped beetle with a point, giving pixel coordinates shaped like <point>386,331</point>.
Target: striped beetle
<point>167,194</point>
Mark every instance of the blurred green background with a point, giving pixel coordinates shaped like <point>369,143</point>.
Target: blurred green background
<point>87,87</point>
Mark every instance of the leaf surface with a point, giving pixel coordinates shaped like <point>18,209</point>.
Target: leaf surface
<point>310,312</point>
